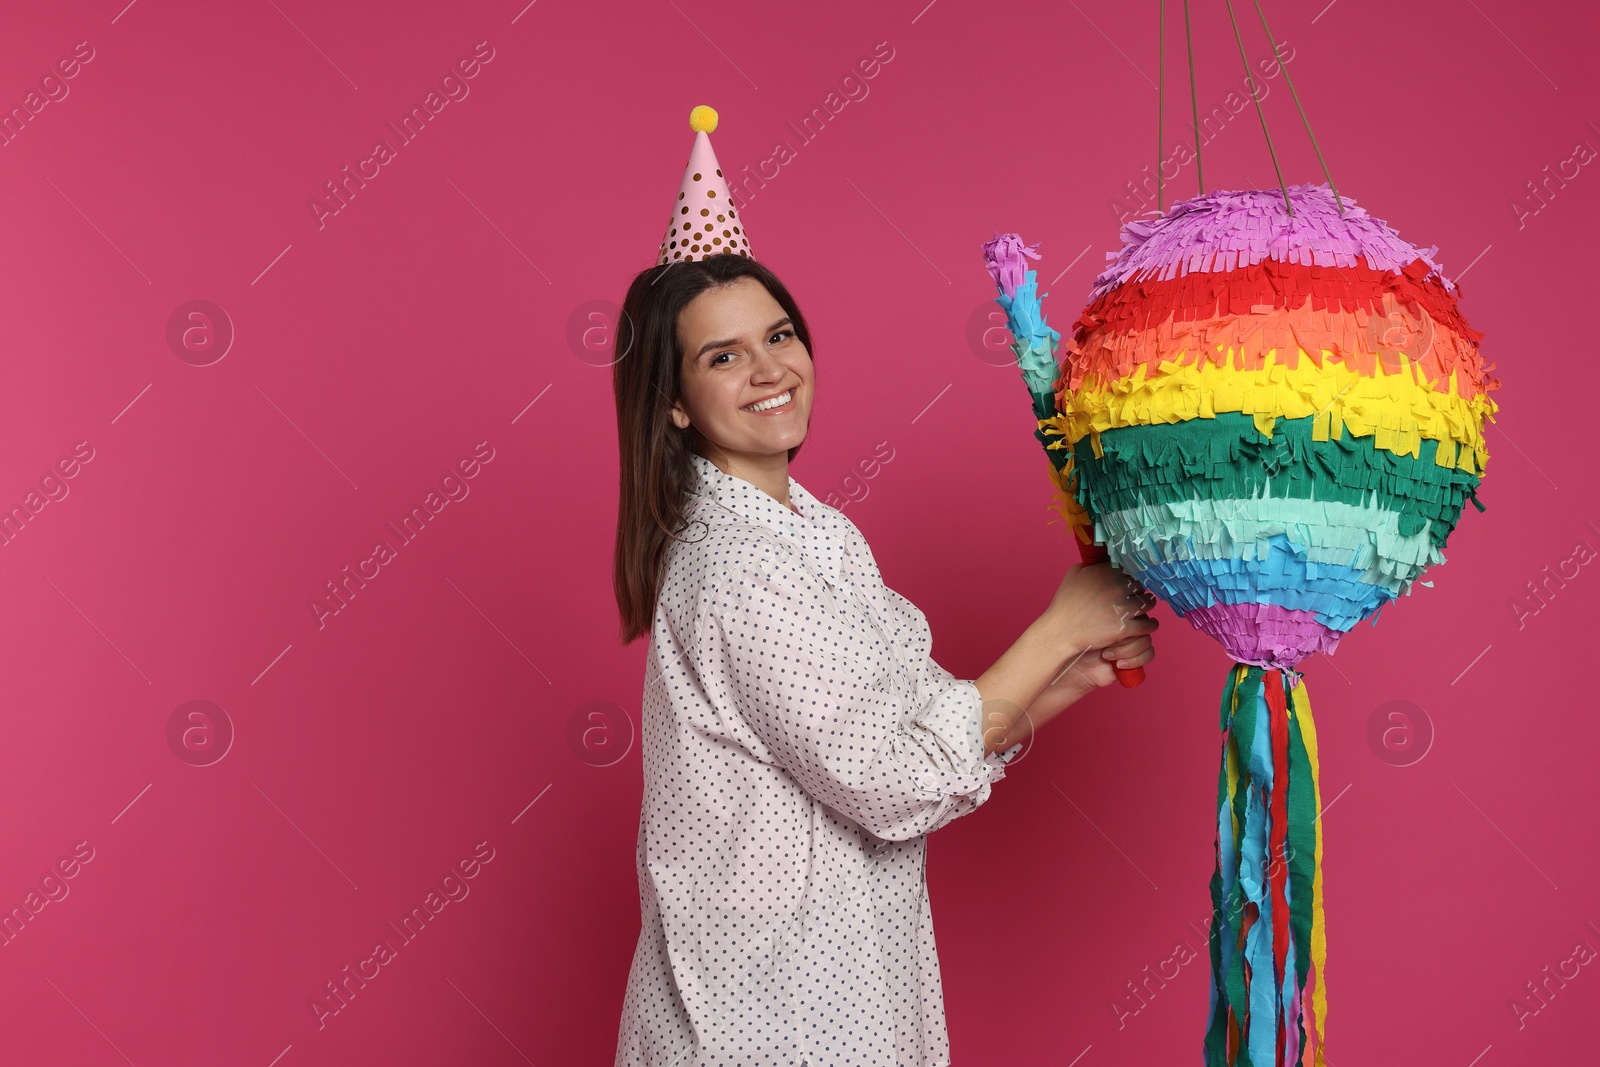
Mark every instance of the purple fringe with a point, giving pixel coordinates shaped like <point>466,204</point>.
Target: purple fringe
<point>1266,635</point>
<point>1231,228</point>
<point>1003,256</point>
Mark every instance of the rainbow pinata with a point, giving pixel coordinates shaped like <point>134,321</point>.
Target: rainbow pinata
<point>1273,420</point>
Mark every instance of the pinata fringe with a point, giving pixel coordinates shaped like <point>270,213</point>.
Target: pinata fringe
<point>1355,315</point>
<point>1079,522</point>
<point>1267,932</point>
<point>1228,458</point>
<point>1392,408</point>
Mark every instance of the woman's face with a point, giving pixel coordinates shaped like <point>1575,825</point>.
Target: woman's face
<point>739,348</point>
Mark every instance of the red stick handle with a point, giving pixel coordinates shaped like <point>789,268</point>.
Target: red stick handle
<point>1092,554</point>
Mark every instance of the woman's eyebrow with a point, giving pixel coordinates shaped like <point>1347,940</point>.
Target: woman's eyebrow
<point>709,345</point>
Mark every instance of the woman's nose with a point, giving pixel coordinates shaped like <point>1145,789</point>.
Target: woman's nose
<point>766,366</point>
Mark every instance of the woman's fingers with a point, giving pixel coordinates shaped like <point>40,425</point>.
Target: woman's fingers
<point>1135,607</point>
<point>1104,604</point>
<point>1134,652</point>
<point>1129,645</point>
<point>1137,622</point>
<point>1134,585</point>
<point>1133,591</point>
<point>1138,660</point>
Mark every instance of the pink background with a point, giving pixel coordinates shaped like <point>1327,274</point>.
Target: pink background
<point>445,704</point>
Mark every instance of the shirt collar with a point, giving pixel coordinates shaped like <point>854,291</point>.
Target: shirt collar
<point>817,532</point>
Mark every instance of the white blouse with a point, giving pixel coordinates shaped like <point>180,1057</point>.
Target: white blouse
<point>799,743</point>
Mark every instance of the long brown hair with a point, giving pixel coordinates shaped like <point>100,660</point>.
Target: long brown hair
<point>647,377</point>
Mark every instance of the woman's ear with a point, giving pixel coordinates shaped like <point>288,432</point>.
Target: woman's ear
<point>680,418</point>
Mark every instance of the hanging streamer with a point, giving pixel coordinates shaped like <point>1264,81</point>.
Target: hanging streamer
<point>1161,92</point>
<point>1284,67</point>
<point>1255,94</point>
<point>1194,100</point>
<point>1267,933</point>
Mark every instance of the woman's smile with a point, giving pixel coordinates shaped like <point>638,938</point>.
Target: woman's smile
<point>773,405</point>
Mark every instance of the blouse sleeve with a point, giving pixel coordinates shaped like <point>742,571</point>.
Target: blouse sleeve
<point>901,761</point>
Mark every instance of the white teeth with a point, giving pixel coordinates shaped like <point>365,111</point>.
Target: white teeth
<point>775,402</point>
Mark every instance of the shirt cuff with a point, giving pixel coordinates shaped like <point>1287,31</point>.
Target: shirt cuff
<point>1005,757</point>
<point>951,731</point>
<point>992,765</point>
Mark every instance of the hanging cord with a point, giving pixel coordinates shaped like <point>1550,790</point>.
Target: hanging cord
<point>1161,90</point>
<point>1194,100</point>
<point>1255,94</point>
<point>1296,98</point>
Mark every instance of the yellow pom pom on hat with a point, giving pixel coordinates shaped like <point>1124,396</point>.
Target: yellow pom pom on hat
<point>704,221</point>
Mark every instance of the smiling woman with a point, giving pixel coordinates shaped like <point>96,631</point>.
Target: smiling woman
<point>798,737</point>
<point>668,403</point>
<point>799,740</point>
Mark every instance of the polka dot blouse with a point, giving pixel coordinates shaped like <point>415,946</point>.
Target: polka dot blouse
<point>799,744</point>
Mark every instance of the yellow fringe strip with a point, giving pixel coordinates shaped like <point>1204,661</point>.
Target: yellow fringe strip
<point>1232,760</point>
<point>1319,937</point>
<point>1396,410</point>
<point>1077,517</point>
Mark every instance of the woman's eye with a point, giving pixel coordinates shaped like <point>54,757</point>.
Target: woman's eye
<point>718,356</point>
<point>780,333</point>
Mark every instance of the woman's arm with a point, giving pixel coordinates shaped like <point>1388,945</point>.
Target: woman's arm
<point>787,679</point>
<point>787,676</point>
<point>1095,620</point>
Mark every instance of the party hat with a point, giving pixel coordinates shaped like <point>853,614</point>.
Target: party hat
<point>703,221</point>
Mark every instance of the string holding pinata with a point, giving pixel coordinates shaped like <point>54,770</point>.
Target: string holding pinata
<point>1271,413</point>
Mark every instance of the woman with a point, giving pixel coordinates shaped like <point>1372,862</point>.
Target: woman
<point>799,741</point>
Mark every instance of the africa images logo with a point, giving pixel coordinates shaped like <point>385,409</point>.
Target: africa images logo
<point>342,591</point>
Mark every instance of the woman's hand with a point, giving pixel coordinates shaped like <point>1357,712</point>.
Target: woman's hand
<point>1086,673</point>
<point>1058,658</point>
<point>1095,667</point>
<point>1097,606</point>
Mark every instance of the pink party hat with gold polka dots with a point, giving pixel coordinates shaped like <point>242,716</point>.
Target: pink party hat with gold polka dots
<point>703,221</point>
